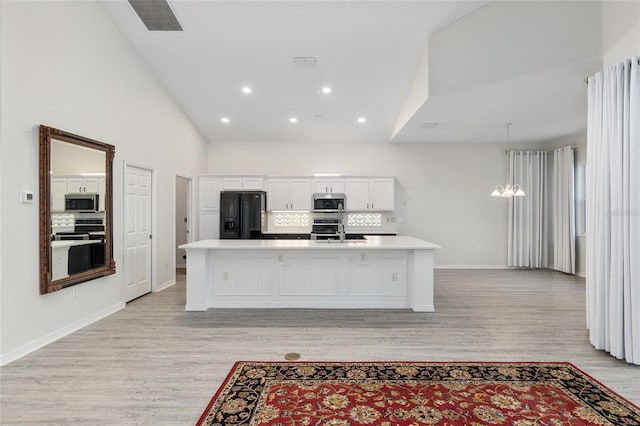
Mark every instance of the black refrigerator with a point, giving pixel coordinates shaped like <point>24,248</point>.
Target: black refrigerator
<point>242,214</point>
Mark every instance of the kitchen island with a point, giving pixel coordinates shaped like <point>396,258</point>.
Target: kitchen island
<point>377,272</point>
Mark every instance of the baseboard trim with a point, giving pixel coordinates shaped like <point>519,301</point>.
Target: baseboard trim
<point>181,266</point>
<point>40,342</point>
<point>505,267</point>
<point>196,307</point>
<point>164,286</point>
<point>472,267</point>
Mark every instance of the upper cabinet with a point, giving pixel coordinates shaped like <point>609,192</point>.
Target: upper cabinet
<point>79,184</point>
<point>241,183</point>
<point>209,193</point>
<point>62,185</point>
<point>295,193</point>
<point>331,185</point>
<point>289,194</point>
<point>375,194</point>
<point>58,191</point>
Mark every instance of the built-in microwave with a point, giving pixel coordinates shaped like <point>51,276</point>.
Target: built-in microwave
<point>329,202</point>
<point>81,202</point>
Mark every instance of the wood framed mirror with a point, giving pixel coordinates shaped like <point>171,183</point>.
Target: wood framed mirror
<point>76,238</point>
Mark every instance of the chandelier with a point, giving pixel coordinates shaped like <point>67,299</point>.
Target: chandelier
<point>508,190</point>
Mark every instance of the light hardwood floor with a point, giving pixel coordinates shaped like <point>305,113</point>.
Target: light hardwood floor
<point>155,364</point>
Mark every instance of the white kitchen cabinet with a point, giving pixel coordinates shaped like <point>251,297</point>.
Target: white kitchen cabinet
<point>232,183</point>
<point>62,185</point>
<point>357,192</point>
<point>300,194</point>
<point>253,183</point>
<point>277,194</point>
<point>332,185</point>
<point>79,184</point>
<point>372,194</point>
<point>242,183</point>
<point>209,225</point>
<point>58,191</point>
<point>102,192</point>
<point>209,193</point>
<point>289,194</point>
<point>382,194</point>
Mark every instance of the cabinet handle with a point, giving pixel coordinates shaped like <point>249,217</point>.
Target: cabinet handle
<point>372,205</point>
<point>367,205</point>
<point>286,206</point>
<point>84,188</point>
<point>331,189</point>
<point>291,206</point>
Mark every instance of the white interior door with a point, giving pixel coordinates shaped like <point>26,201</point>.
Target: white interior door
<point>137,239</point>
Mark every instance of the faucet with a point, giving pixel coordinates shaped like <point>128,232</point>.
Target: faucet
<point>341,223</point>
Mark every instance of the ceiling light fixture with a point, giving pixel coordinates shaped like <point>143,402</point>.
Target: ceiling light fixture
<point>326,90</point>
<point>246,90</point>
<point>225,120</point>
<point>362,120</point>
<point>293,120</point>
<point>508,190</point>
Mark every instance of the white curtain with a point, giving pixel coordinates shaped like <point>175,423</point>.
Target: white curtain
<point>613,210</point>
<point>564,232</point>
<point>527,239</point>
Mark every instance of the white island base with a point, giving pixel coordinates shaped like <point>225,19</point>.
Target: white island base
<point>381,272</point>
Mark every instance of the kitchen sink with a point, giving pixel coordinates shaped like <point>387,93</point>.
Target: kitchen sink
<point>348,239</point>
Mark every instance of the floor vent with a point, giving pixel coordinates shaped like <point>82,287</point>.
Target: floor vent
<point>156,15</point>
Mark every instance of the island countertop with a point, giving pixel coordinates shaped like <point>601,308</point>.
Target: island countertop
<point>377,242</point>
<point>392,272</point>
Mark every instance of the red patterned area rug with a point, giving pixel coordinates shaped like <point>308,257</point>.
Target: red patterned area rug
<point>414,393</point>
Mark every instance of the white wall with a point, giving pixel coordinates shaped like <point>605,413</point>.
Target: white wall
<point>69,159</point>
<point>499,36</point>
<point>620,31</point>
<point>66,65</point>
<point>442,191</point>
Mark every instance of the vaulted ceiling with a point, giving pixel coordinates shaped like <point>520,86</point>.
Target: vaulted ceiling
<point>416,71</point>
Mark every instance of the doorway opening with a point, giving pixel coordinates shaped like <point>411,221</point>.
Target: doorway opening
<point>183,223</point>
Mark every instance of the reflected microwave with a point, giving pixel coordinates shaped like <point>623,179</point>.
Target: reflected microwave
<point>81,202</point>
<point>329,202</point>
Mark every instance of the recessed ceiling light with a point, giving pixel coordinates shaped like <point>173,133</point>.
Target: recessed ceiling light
<point>326,90</point>
<point>246,90</point>
<point>293,120</point>
<point>362,120</point>
<point>225,120</point>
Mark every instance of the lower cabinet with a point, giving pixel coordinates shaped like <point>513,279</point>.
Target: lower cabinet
<point>311,276</point>
<point>243,276</point>
<point>372,276</point>
<point>296,279</point>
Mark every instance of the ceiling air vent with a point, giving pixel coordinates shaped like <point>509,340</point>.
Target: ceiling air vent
<point>429,125</point>
<point>156,15</point>
<point>305,61</point>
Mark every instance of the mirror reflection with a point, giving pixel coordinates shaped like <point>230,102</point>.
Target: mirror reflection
<point>75,209</point>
